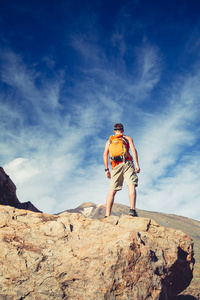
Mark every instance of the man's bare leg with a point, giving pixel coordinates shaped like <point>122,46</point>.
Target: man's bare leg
<point>132,195</point>
<point>109,202</point>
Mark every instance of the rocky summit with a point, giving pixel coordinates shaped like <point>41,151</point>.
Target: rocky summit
<point>189,226</point>
<point>69,256</point>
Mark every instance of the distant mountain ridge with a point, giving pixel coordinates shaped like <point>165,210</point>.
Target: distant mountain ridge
<point>187,225</point>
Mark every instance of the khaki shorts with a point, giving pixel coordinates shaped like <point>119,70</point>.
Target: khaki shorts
<point>124,171</point>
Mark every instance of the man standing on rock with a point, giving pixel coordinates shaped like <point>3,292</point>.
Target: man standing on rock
<point>123,168</point>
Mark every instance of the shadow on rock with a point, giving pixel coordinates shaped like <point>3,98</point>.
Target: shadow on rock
<point>186,297</point>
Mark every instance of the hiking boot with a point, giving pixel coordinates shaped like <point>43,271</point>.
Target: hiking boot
<point>133,213</point>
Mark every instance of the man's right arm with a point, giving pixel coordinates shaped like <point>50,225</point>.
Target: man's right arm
<point>105,159</point>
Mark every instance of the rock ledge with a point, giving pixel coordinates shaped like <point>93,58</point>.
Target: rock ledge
<point>72,257</point>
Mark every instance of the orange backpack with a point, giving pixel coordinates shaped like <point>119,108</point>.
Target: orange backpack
<point>117,148</point>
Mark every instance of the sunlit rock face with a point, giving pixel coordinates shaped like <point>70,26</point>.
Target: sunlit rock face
<point>69,256</point>
<point>189,226</point>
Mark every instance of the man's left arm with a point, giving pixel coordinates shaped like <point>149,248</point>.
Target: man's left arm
<point>134,153</point>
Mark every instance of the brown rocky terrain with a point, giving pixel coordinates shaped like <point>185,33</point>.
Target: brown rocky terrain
<point>189,226</point>
<point>70,256</point>
<point>22,255</point>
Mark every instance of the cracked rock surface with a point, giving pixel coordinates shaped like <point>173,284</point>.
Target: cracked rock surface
<point>70,256</point>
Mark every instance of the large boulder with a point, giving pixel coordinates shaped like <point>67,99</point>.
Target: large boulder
<point>189,226</point>
<point>70,256</point>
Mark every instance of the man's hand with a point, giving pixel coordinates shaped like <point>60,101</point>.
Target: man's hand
<point>108,174</point>
<point>137,168</point>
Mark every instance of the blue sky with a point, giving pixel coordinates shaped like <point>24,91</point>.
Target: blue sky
<point>70,70</point>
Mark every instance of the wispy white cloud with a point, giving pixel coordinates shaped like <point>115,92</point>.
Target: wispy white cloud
<point>23,171</point>
<point>178,193</point>
<point>170,176</point>
<point>149,67</point>
<point>27,95</point>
